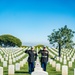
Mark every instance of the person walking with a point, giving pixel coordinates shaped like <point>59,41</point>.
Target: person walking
<point>31,59</point>
<point>44,57</point>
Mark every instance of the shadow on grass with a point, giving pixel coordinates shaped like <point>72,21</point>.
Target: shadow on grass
<point>22,72</point>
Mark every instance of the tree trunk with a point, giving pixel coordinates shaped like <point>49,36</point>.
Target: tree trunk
<point>59,50</point>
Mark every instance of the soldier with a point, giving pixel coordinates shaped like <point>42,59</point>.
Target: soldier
<point>44,58</point>
<point>31,59</point>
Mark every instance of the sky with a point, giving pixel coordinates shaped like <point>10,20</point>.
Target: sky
<point>33,20</point>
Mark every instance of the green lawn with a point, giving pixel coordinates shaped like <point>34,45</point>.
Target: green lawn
<point>50,70</point>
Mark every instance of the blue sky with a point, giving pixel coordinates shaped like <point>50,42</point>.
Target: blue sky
<point>33,20</point>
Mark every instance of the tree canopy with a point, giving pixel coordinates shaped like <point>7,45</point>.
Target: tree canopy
<point>62,38</point>
<point>9,40</point>
<point>40,45</point>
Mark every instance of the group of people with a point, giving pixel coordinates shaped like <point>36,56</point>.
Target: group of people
<point>33,56</point>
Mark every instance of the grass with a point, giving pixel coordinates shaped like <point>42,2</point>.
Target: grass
<point>50,70</point>
<point>23,71</point>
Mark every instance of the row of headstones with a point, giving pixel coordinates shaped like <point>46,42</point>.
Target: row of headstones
<point>63,51</point>
<point>65,58</point>
<point>65,61</point>
<point>9,51</point>
<point>4,51</point>
<point>58,67</point>
<point>13,51</point>
<point>17,65</point>
<point>10,62</point>
<point>13,68</point>
<point>69,54</point>
<point>53,51</point>
<point>64,68</point>
<point>66,52</point>
<point>11,59</point>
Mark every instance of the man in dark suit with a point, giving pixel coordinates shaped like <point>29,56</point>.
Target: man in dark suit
<point>31,59</point>
<point>44,57</point>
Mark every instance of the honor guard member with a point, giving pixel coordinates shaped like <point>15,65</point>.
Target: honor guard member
<point>31,59</point>
<point>44,58</point>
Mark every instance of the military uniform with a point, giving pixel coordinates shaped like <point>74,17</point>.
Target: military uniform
<point>44,58</point>
<point>31,59</point>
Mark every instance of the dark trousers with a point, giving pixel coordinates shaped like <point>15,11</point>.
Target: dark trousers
<point>43,65</point>
<point>31,67</point>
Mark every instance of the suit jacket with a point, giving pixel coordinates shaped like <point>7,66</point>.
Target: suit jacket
<point>32,55</point>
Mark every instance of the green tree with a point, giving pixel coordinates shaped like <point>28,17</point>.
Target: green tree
<point>9,40</point>
<point>40,45</point>
<point>62,38</point>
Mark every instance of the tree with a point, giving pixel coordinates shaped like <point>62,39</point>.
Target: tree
<point>62,38</point>
<point>40,45</point>
<point>9,40</point>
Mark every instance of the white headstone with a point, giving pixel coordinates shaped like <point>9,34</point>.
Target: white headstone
<point>72,59</point>
<point>70,64</point>
<point>51,61</point>
<point>2,59</point>
<point>10,61</point>
<point>17,67</point>
<point>65,61</point>
<point>11,70</point>
<point>60,59</point>
<point>6,58</point>
<point>4,63</point>
<point>9,57</point>
<point>1,70</point>
<point>64,70</point>
<point>58,67</point>
<point>21,64</point>
<point>39,73</point>
<point>57,58</point>
<point>0,56</point>
<point>53,64</point>
<point>64,57</point>
<point>14,60</point>
<point>38,69</point>
<point>68,58</point>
